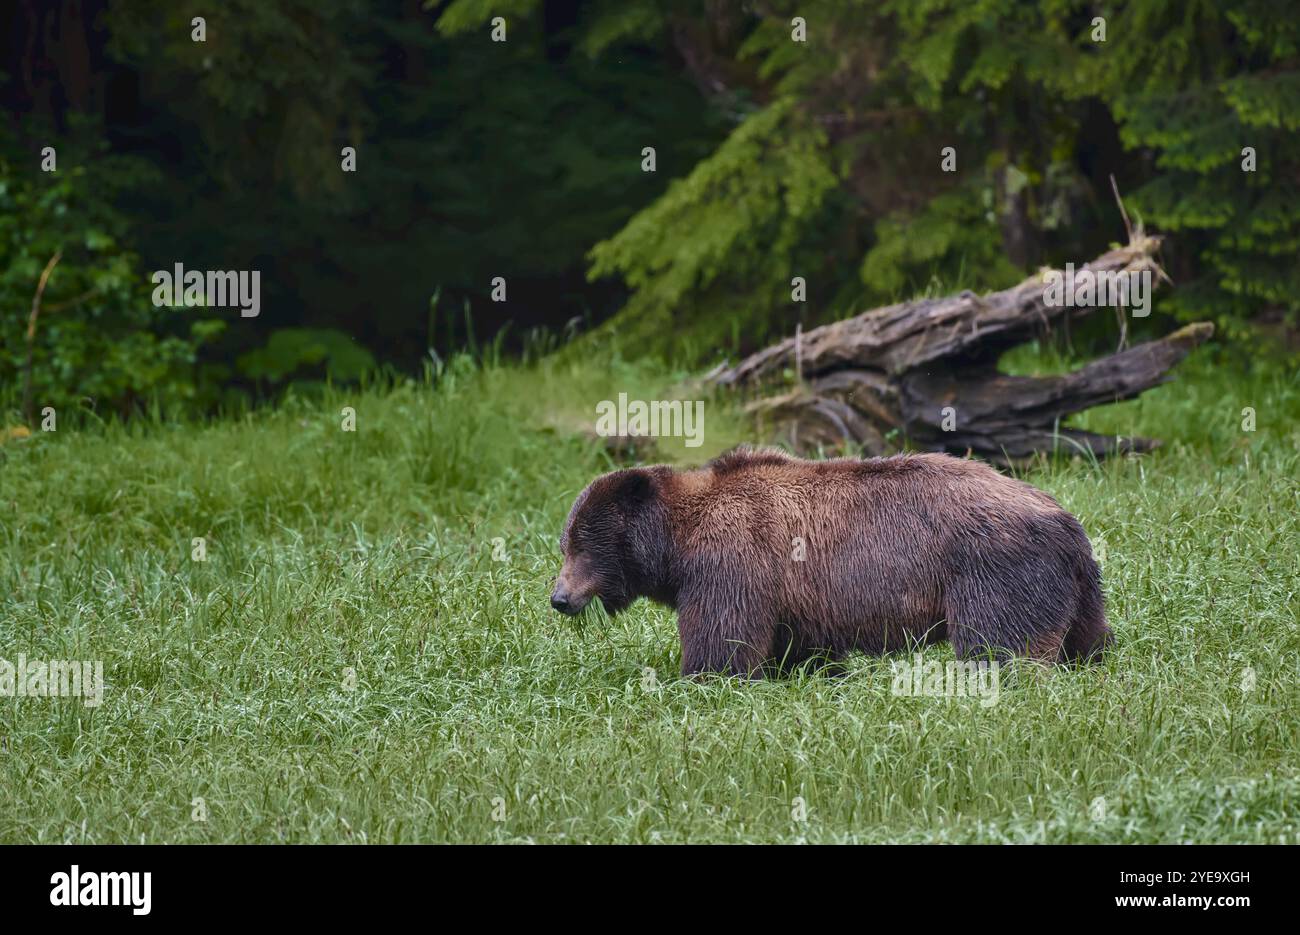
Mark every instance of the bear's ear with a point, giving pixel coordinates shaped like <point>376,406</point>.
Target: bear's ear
<point>634,488</point>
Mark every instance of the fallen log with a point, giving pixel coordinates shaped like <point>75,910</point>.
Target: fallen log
<point>925,373</point>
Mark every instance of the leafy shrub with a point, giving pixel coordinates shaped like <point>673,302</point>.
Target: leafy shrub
<point>97,339</point>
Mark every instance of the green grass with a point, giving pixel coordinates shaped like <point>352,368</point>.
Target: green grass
<point>373,551</point>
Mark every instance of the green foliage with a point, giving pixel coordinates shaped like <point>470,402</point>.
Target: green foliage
<point>461,16</point>
<point>289,75</point>
<point>475,160</point>
<point>611,24</point>
<point>291,350</point>
<point>859,116</point>
<point>98,341</point>
<point>953,238</point>
<point>776,159</point>
<point>683,251</point>
<point>1040,113</point>
<point>1222,78</point>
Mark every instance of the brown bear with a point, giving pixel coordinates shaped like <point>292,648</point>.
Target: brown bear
<point>771,561</point>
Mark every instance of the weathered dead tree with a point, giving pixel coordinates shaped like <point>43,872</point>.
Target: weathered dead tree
<point>890,373</point>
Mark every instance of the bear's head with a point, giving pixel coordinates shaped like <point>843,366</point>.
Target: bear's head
<point>615,542</point>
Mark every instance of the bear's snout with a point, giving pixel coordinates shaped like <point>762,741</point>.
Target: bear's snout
<point>573,590</point>
<point>565,602</point>
<point>560,601</point>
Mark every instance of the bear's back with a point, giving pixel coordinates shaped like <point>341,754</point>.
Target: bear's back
<point>927,480</point>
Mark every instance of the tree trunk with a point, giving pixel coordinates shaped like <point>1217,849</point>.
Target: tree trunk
<point>926,372</point>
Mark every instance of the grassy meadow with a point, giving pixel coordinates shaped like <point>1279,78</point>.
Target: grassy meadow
<point>367,653</point>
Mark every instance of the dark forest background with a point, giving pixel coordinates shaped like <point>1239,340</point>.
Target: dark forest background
<point>523,159</point>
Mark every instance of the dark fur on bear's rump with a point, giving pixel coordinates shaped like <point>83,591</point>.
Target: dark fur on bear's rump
<point>774,561</point>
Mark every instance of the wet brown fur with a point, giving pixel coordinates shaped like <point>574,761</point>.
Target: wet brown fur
<point>899,552</point>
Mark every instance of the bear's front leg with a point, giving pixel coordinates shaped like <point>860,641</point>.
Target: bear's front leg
<point>731,641</point>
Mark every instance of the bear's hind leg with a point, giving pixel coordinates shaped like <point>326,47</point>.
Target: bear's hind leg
<point>1008,614</point>
<point>1086,640</point>
<point>975,642</point>
<point>1088,636</point>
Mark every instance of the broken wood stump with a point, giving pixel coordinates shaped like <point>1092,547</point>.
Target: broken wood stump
<point>925,372</point>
